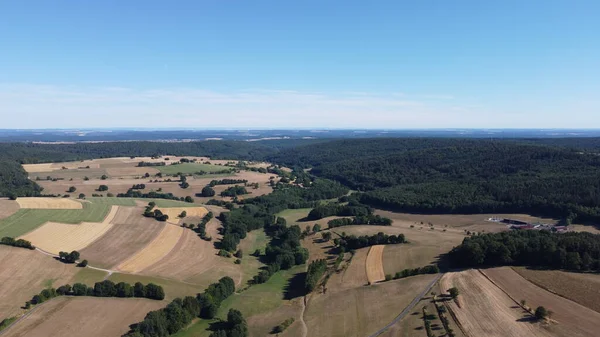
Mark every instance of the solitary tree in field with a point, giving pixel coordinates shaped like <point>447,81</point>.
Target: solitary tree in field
<point>81,196</point>
<point>453,292</point>
<point>104,177</point>
<point>326,236</point>
<point>183,214</point>
<point>541,313</point>
<point>316,228</point>
<point>102,188</point>
<point>523,303</point>
<point>72,189</point>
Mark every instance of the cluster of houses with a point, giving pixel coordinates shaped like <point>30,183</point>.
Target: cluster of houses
<point>522,225</point>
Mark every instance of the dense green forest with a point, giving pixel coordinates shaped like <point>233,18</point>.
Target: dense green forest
<point>460,175</point>
<point>571,251</point>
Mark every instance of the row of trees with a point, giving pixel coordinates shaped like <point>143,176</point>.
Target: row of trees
<point>180,312</point>
<point>571,251</point>
<point>105,288</point>
<point>352,242</point>
<point>373,220</point>
<point>316,270</point>
<point>214,183</point>
<point>16,243</point>
<point>150,164</point>
<point>153,195</point>
<point>430,269</point>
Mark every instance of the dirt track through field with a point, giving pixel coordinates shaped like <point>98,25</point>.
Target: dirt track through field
<point>374,265</point>
<point>485,310</point>
<point>154,251</point>
<point>55,237</point>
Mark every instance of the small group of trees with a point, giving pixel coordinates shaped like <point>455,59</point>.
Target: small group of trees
<point>207,192</point>
<point>157,214</point>
<point>183,182</point>
<point>235,326</point>
<point>71,257</point>
<point>104,288</point>
<point>153,195</point>
<point>138,186</point>
<point>374,220</point>
<point>201,228</point>
<point>316,270</point>
<point>352,242</point>
<point>180,312</point>
<point>16,243</point>
<point>234,191</point>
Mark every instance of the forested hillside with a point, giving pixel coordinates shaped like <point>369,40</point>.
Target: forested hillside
<point>461,176</point>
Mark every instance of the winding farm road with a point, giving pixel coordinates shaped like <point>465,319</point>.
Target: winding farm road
<point>409,307</point>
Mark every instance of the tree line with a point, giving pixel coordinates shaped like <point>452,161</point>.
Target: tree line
<point>570,251</point>
<point>16,243</point>
<point>234,191</point>
<point>316,270</point>
<point>373,220</point>
<point>353,208</point>
<point>180,312</point>
<point>131,193</point>
<point>353,242</point>
<point>214,183</point>
<point>104,288</point>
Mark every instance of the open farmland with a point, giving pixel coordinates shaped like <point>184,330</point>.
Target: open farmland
<point>361,311</point>
<point>485,310</point>
<point>187,168</point>
<point>192,260</point>
<point>154,251</point>
<point>26,220</point>
<point>583,288</point>
<point>130,233</point>
<point>55,237</point>
<point>374,264</point>
<point>49,203</point>
<point>83,316</point>
<point>8,208</point>
<point>24,273</point>
<point>572,319</point>
<point>462,222</point>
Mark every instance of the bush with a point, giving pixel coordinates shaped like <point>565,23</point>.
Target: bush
<point>83,263</point>
<point>238,261</point>
<point>541,313</point>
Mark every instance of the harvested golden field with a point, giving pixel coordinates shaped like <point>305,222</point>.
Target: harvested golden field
<point>54,237</point>
<point>485,310</point>
<point>579,287</point>
<point>154,251</point>
<point>194,260</point>
<point>8,208</point>
<point>174,212</point>
<point>130,233</point>
<point>49,203</point>
<point>83,316</point>
<point>24,273</point>
<point>374,264</point>
<point>572,319</point>
<point>361,311</point>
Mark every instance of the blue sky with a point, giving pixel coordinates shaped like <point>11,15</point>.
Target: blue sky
<point>365,64</point>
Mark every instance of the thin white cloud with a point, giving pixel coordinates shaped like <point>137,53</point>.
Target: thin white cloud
<point>46,106</point>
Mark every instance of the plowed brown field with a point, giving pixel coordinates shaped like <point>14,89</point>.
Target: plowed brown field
<point>130,233</point>
<point>154,251</point>
<point>573,319</point>
<point>485,310</point>
<point>24,273</point>
<point>8,208</point>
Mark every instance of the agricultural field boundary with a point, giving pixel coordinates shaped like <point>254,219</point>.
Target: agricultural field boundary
<point>409,307</point>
